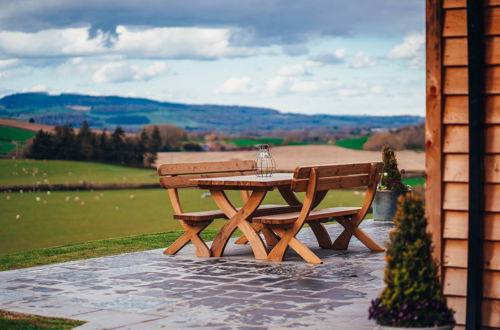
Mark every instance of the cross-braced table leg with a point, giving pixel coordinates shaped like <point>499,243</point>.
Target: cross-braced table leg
<point>238,219</point>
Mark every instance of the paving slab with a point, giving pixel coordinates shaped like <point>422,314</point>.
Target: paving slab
<point>149,290</point>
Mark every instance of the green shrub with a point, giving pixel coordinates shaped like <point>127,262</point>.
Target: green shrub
<point>391,178</point>
<point>412,296</point>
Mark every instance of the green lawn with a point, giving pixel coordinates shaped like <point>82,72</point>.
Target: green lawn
<point>352,143</point>
<point>249,142</point>
<point>38,220</point>
<point>415,182</point>
<point>9,134</point>
<point>9,320</point>
<point>20,171</point>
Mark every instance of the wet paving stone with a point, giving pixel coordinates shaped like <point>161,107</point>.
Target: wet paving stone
<point>149,290</point>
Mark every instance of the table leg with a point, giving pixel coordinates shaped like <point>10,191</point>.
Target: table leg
<point>237,219</point>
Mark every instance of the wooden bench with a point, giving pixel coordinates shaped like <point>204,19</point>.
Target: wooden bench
<point>315,181</point>
<point>179,176</point>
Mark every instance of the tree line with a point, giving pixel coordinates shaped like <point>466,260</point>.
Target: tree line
<point>116,147</point>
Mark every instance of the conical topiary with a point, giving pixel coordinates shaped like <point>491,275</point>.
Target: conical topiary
<point>391,178</point>
<point>412,296</point>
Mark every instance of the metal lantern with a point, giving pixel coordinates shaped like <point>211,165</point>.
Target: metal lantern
<point>266,165</point>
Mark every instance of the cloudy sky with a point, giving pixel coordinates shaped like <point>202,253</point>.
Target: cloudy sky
<point>307,56</point>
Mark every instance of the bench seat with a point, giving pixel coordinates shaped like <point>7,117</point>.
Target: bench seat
<point>321,215</point>
<point>263,210</point>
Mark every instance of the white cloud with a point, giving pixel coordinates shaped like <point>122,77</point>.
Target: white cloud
<point>177,42</point>
<point>115,72</point>
<point>132,42</point>
<point>412,50</point>
<point>37,88</point>
<point>413,45</point>
<point>360,60</point>
<point>308,86</point>
<point>9,63</point>
<point>237,85</point>
<point>333,57</point>
<point>50,43</point>
<point>278,85</point>
<point>292,70</point>
<point>151,71</point>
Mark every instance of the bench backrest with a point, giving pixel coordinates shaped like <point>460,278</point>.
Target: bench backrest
<point>337,176</point>
<point>317,180</point>
<point>175,176</point>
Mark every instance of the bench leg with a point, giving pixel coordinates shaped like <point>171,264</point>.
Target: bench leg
<point>350,229</point>
<point>287,240</point>
<point>271,238</point>
<point>191,234</point>
<point>321,234</point>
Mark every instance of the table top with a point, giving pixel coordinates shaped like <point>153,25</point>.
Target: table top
<point>246,181</point>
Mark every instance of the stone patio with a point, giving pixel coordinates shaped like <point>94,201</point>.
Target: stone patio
<point>148,290</point>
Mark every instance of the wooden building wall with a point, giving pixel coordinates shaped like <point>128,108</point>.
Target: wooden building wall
<point>447,151</point>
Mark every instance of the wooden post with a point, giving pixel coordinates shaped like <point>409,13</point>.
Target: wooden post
<point>433,124</point>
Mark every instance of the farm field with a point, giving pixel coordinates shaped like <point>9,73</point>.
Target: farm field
<point>20,171</point>
<point>59,218</point>
<point>352,143</point>
<point>9,134</point>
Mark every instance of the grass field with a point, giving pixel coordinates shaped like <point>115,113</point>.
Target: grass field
<point>38,220</point>
<point>352,143</point>
<point>20,171</point>
<point>10,320</point>
<point>415,182</point>
<point>9,134</point>
<point>248,142</point>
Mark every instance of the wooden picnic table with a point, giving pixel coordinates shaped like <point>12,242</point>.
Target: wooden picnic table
<point>259,186</point>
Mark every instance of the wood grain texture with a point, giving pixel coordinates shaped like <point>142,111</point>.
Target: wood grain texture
<point>457,109</point>
<point>455,254</point>
<point>456,81</point>
<point>492,143</point>
<point>456,224</point>
<point>187,181</point>
<point>433,122</point>
<point>303,172</point>
<point>456,168</point>
<point>456,196</point>
<point>492,50</point>
<point>463,3</point>
<point>207,167</point>
<point>492,82</point>
<point>455,283</point>
<point>492,21</point>
<point>492,226</point>
<point>315,215</point>
<point>455,23</point>
<point>246,182</point>
<point>455,51</point>
<point>458,305</point>
<point>456,139</point>
<point>491,313</point>
<point>492,197</point>
<point>492,168</point>
<point>328,183</point>
<point>492,109</point>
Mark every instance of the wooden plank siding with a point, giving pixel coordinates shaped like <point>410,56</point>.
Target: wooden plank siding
<point>447,141</point>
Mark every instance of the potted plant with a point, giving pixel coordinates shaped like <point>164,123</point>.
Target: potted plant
<point>412,297</point>
<point>390,188</point>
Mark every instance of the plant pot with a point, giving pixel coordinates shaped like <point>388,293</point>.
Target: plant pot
<point>385,205</point>
<point>386,327</point>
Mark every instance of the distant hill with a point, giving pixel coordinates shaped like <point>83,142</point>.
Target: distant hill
<point>132,113</point>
